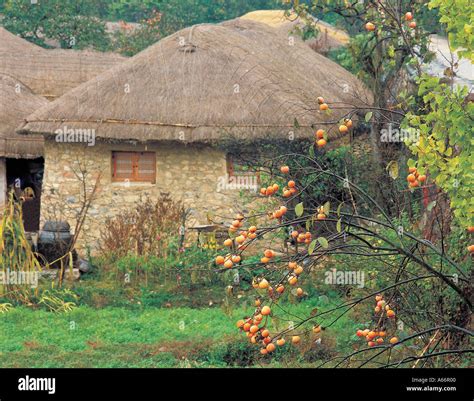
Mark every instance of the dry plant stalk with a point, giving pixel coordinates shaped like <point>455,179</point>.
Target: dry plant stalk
<point>145,230</point>
<point>16,254</point>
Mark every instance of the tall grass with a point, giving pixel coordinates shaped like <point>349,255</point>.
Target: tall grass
<point>16,255</point>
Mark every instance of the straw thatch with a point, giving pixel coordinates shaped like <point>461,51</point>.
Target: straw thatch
<point>51,73</point>
<point>329,36</point>
<point>9,41</point>
<point>16,102</point>
<point>241,78</point>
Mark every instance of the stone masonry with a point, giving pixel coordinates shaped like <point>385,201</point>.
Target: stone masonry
<point>191,173</point>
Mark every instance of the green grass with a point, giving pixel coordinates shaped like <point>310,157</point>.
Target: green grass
<point>124,337</point>
<point>110,326</point>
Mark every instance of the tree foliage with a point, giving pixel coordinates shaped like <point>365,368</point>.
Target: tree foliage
<point>445,119</point>
<point>187,12</point>
<point>74,24</point>
<point>79,24</point>
<point>389,58</point>
<point>458,16</point>
<point>396,267</point>
<point>445,146</point>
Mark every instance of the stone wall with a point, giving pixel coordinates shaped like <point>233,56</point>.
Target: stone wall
<point>191,173</point>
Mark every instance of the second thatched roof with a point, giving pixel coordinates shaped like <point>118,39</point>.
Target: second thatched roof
<point>16,102</point>
<point>53,72</point>
<point>241,78</point>
<point>50,72</point>
<point>287,22</point>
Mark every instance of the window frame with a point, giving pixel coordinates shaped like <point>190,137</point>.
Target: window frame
<point>135,159</point>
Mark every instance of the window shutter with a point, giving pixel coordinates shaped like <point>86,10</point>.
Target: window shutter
<point>134,167</point>
<point>122,163</point>
<point>146,167</point>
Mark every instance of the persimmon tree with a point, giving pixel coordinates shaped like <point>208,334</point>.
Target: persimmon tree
<point>417,303</point>
<point>390,57</point>
<point>409,271</point>
<point>386,45</point>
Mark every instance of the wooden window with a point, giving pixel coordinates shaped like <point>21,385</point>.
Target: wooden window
<point>134,167</point>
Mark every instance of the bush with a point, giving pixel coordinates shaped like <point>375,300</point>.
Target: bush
<point>150,228</point>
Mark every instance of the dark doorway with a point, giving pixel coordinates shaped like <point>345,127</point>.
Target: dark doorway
<point>24,179</point>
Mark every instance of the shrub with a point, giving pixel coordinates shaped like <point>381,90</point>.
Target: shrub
<point>148,229</point>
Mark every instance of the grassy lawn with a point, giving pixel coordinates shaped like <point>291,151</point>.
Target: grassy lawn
<point>124,337</point>
<point>109,337</point>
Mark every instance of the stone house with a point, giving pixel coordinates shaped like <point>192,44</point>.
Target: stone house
<point>29,77</point>
<point>154,123</point>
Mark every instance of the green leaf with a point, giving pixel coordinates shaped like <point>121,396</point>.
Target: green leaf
<point>430,206</point>
<point>392,168</point>
<point>327,208</point>
<point>299,209</point>
<point>296,124</point>
<point>339,209</point>
<point>311,152</point>
<point>368,116</point>
<point>323,242</point>
<point>338,226</point>
<point>311,247</point>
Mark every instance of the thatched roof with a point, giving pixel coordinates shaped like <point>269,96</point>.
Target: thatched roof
<point>53,72</point>
<point>11,42</point>
<point>332,36</point>
<point>16,102</point>
<point>238,78</point>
